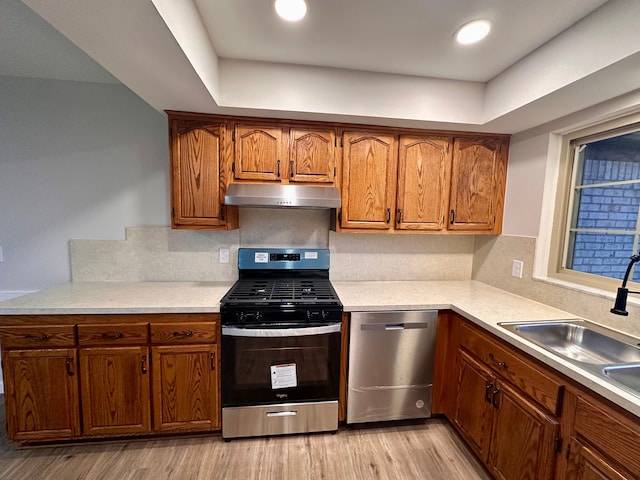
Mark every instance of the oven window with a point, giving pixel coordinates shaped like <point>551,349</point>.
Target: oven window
<point>280,369</point>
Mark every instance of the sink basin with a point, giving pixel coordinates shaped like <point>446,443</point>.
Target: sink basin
<point>580,341</point>
<point>612,356</point>
<point>628,375</point>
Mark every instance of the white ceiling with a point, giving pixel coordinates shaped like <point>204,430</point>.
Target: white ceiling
<point>370,61</point>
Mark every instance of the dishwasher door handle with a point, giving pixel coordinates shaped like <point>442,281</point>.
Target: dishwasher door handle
<point>395,326</point>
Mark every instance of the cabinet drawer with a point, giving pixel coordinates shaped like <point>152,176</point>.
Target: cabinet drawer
<point>527,375</point>
<point>113,334</point>
<point>177,333</point>
<point>38,337</point>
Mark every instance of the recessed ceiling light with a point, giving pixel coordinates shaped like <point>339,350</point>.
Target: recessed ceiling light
<point>473,32</point>
<point>291,10</point>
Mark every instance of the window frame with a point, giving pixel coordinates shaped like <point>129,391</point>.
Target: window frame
<point>564,203</point>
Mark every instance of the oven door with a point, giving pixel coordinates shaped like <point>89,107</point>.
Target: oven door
<point>280,365</point>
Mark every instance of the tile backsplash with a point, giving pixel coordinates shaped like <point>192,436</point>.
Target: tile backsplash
<point>163,254</point>
<point>492,265</point>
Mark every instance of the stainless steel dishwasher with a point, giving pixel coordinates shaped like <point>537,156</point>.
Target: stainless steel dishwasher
<point>391,364</point>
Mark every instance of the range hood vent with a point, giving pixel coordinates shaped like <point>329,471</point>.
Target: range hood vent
<point>281,196</point>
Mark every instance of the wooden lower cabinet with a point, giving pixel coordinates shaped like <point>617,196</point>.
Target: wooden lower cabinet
<point>115,390</point>
<point>523,437</point>
<point>41,394</point>
<point>473,409</point>
<point>108,377</point>
<point>586,463</point>
<point>514,437</point>
<point>185,383</point>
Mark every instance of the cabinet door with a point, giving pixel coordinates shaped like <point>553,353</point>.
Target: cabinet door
<point>185,387</point>
<point>424,165</point>
<point>587,464</point>
<point>258,152</point>
<point>369,179</point>
<point>41,388</point>
<point>523,438</point>
<point>115,390</point>
<point>474,409</point>
<point>198,158</point>
<point>478,177</point>
<point>312,155</point>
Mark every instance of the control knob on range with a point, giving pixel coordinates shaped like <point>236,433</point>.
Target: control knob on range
<point>247,317</point>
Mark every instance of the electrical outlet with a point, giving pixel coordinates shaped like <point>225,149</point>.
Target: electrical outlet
<point>516,268</point>
<point>224,255</point>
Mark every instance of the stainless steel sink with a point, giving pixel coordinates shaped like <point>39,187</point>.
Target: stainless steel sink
<point>628,375</point>
<point>580,341</point>
<point>611,355</point>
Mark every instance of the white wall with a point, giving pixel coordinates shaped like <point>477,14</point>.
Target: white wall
<point>79,160</point>
<point>533,156</point>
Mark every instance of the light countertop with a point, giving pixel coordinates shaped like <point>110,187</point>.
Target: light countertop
<point>482,304</point>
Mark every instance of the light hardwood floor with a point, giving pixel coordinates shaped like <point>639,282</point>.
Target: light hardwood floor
<point>429,450</point>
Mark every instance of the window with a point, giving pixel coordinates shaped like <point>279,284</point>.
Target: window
<point>602,221</point>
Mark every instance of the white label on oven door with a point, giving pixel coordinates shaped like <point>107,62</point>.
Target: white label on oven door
<point>283,376</point>
<point>261,257</point>
<point>311,255</point>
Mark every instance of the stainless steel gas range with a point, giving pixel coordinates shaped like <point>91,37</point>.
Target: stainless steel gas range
<point>281,335</point>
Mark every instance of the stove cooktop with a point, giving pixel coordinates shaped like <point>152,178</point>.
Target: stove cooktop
<point>288,290</point>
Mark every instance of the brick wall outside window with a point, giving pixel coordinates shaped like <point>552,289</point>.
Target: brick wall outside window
<point>604,230</point>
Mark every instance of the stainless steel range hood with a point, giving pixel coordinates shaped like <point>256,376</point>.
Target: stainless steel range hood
<point>278,196</point>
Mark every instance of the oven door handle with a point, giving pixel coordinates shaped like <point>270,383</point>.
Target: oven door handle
<point>281,332</point>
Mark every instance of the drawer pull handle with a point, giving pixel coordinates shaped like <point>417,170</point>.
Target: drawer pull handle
<point>39,338</point>
<point>183,334</point>
<point>497,362</point>
<point>70,371</point>
<point>111,336</point>
<point>144,364</point>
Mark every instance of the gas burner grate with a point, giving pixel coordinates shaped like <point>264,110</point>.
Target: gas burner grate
<point>280,290</point>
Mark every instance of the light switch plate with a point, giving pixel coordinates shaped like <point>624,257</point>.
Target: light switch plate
<point>224,255</point>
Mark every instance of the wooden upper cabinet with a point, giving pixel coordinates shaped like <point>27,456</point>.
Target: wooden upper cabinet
<point>369,180</point>
<point>258,153</point>
<point>312,155</point>
<point>424,168</point>
<point>478,172</point>
<point>199,173</point>
<point>279,153</point>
